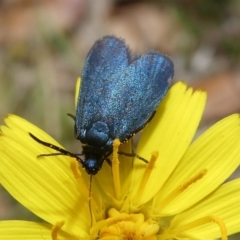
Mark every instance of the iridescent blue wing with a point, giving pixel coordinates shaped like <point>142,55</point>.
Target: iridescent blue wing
<point>118,91</point>
<point>107,57</point>
<point>136,93</point>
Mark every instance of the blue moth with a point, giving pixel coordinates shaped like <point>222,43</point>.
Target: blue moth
<point>119,94</point>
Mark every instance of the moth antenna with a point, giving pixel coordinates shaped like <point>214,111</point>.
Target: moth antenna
<point>60,150</point>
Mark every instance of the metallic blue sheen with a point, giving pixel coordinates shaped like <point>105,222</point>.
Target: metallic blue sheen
<point>118,96</point>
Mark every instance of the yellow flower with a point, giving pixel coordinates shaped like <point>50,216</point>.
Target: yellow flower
<point>180,194</point>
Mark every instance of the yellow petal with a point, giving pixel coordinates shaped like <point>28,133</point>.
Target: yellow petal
<point>24,230</point>
<point>223,203</point>
<point>104,179</point>
<point>170,133</point>
<point>29,231</point>
<point>77,90</point>
<point>216,153</point>
<point>45,186</point>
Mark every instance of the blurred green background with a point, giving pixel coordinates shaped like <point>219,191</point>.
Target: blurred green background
<point>43,45</point>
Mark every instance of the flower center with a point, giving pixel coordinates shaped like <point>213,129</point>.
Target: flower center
<point>123,226</point>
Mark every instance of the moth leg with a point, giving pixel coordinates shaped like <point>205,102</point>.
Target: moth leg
<point>133,155</point>
<point>109,162</point>
<point>72,116</point>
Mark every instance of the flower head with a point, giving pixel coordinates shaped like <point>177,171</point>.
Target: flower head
<point>179,194</point>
